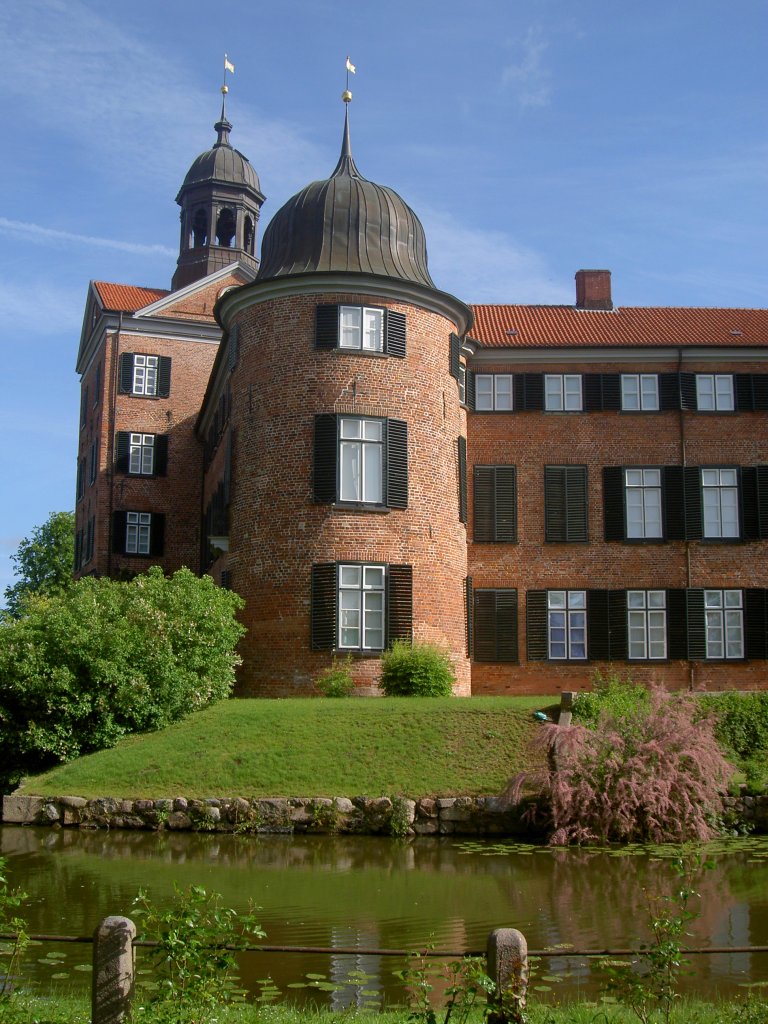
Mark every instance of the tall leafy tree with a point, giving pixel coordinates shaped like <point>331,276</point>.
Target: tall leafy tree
<point>43,562</point>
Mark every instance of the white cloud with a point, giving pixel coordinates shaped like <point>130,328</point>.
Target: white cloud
<point>41,235</point>
<point>528,76</point>
<point>480,266</point>
<point>43,309</point>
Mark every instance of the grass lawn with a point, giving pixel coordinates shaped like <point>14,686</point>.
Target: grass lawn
<point>355,747</point>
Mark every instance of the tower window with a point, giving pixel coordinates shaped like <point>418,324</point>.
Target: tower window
<point>225,227</point>
<point>248,236</point>
<point>199,228</point>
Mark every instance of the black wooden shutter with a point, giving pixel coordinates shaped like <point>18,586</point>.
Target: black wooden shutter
<point>536,625</point>
<point>161,454</point>
<point>157,533</point>
<point>592,392</point>
<point>574,503</point>
<point>327,326</point>
<point>760,391</point>
<point>164,376</point>
<point>696,624</point>
<point>495,613</point>
<point>78,549</point>
<point>743,397</point>
<point>126,373</point>
<point>677,625</point>
<point>598,639</point>
<point>323,611</point>
<point>483,505</point>
<point>462,469</point>
<point>756,623</point>
<point>119,525</point>
<point>749,508</point>
<point>394,333</point>
<point>454,353</point>
<point>694,519</point>
<point>688,391</point>
<point>529,391</point>
<point>669,392</point>
<point>506,627</point>
<point>612,391</point>
<point>485,625</point>
<point>555,528</point>
<point>325,459</point>
<point>234,346</point>
<point>399,603</point>
<point>505,504</point>
<point>762,501</point>
<point>673,502</point>
<point>614,522</point>
<point>469,389</point>
<point>397,464</point>
<point>617,625</point>
<point>468,602</point>
<point>122,451</point>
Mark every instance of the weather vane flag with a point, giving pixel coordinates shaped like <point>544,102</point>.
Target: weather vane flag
<point>347,95</point>
<point>228,65</point>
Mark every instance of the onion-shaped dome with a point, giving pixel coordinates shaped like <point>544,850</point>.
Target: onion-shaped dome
<point>222,163</point>
<point>346,223</point>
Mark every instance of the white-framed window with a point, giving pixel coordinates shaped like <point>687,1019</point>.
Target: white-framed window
<point>647,624</point>
<point>642,499</point>
<point>639,392</point>
<point>141,457</point>
<point>562,392</point>
<point>493,392</point>
<point>724,622</point>
<point>138,526</point>
<point>720,502</point>
<point>361,328</point>
<point>361,590</point>
<point>462,379</point>
<point>361,460</point>
<point>145,375</point>
<point>567,624</point>
<point>714,392</point>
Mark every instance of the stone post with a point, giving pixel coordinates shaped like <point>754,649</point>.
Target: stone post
<point>113,971</point>
<point>507,953</point>
<point>566,708</point>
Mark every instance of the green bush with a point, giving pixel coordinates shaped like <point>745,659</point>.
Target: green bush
<point>612,694</point>
<point>416,670</point>
<point>336,680</point>
<point>741,721</point>
<point>81,669</point>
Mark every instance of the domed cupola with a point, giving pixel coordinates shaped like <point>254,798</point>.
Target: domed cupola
<point>346,223</point>
<point>220,201</point>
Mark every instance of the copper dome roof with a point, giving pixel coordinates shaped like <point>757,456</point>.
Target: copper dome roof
<point>222,163</point>
<point>346,223</point>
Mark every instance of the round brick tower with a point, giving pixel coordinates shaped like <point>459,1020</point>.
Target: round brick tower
<point>347,503</point>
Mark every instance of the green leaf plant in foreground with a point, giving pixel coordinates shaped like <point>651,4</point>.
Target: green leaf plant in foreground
<point>11,950</point>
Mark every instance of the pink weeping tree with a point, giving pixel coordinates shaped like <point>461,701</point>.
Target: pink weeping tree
<point>655,775</point>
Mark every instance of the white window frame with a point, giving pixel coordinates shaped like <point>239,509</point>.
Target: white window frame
<point>462,381</point>
<point>567,625</point>
<point>145,375</point>
<point>720,503</point>
<point>494,392</point>
<point>141,454</point>
<point>714,392</point>
<point>138,533</point>
<point>563,392</point>
<point>724,624</point>
<point>361,603</point>
<point>361,328</point>
<point>640,392</point>
<point>362,460</point>
<point>646,625</point>
<point>643,503</point>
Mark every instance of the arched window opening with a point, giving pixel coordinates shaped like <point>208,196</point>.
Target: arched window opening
<point>200,228</point>
<point>248,236</point>
<point>225,228</point>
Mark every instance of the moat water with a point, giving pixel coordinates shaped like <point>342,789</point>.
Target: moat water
<point>369,893</point>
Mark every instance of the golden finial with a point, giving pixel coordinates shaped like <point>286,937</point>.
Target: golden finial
<point>347,96</point>
<point>351,69</point>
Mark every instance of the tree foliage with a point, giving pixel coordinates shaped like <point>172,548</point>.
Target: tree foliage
<point>43,561</point>
<point>656,774</point>
<point>81,669</point>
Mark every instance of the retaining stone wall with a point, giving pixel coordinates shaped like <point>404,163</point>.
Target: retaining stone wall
<point>482,815</point>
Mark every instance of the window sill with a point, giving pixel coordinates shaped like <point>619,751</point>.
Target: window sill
<point>359,506</point>
<point>355,653</point>
<point>360,352</point>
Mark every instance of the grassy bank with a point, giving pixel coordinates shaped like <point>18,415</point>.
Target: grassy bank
<point>257,748</point>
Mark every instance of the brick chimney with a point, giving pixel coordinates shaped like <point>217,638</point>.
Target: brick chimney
<point>593,289</point>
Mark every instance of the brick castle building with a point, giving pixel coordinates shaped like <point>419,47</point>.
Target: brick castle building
<point>545,491</point>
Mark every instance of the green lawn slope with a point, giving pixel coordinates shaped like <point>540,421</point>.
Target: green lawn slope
<point>355,747</point>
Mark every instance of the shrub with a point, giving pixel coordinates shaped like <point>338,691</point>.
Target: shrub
<point>336,680</point>
<point>656,775</point>
<point>741,721</point>
<point>612,693</point>
<point>81,669</point>
<point>416,670</point>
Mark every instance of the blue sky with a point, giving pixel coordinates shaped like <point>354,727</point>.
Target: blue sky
<point>532,139</point>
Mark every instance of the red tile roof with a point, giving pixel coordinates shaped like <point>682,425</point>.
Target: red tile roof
<point>127,298</point>
<point>562,326</point>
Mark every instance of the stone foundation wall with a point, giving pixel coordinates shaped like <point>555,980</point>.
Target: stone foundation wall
<point>482,815</point>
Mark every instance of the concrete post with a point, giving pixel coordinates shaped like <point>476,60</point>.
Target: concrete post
<point>507,953</point>
<point>566,708</point>
<point>113,971</point>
